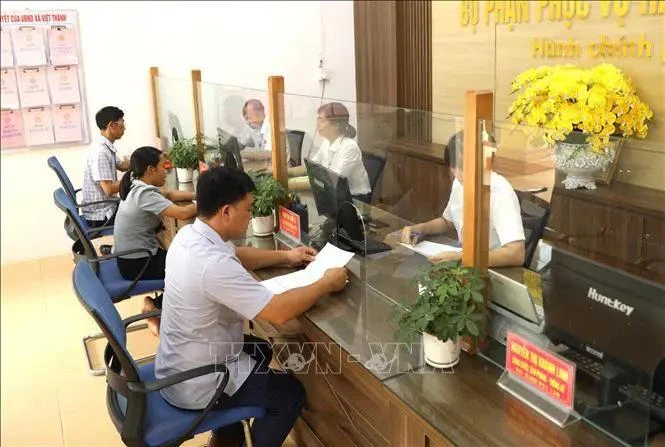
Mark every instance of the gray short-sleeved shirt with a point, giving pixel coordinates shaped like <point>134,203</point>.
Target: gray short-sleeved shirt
<point>207,295</point>
<point>137,218</point>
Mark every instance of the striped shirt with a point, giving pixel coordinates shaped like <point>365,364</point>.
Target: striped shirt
<point>101,164</point>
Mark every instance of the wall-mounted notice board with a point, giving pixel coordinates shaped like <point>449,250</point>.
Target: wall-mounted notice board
<point>41,81</point>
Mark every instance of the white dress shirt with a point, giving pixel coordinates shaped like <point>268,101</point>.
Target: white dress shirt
<point>505,218</point>
<point>207,295</point>
<point>343,156</point>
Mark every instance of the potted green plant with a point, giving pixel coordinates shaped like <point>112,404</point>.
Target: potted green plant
<point>449,305</point>
<point>268,192</point>
<point>185,156</point>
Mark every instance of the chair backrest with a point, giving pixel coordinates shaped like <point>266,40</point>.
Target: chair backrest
<point>374,165</point>
<point>54,164</point>
<point>126,408</point>
<point>79,225</point>
<point>535,214</point>
<point>295,138</point>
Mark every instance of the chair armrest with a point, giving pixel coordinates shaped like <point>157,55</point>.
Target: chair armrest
<point>138,277</point>
<point>97,202</point>
<point>188,432</point>
<point>122,253</point>
<point>156,385</point>
<point>142,316</point>
<point>94,231</point>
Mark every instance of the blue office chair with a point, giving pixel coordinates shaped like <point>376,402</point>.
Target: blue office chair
<point>137,409</point>
<point>374,165</point>
<point>68,187</point>
<point>106,268</point>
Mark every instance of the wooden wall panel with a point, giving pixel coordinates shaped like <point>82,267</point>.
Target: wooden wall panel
<point>394,61</point>
<point>376,52</point>
<point>414,67</point>
<point>492,56</point>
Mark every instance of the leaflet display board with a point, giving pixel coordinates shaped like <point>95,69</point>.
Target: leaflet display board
<point>41,80</point>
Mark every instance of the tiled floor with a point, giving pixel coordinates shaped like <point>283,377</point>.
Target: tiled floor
<point>48,397</point>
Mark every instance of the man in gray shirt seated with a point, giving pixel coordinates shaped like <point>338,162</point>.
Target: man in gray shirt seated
<point>209,292</point>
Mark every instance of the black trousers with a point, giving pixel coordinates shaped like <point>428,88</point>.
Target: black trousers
<point>281,394</point>
<point>100,223</point>
<point>130,268</point>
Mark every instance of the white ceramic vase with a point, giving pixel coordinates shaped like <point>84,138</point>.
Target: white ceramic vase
<point>264,225</point>
<point>184,174</point>
<point>575,157</point>
<point>441,354</point>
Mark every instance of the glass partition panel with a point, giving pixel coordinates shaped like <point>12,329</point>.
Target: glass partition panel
<point>236,125</point>
<point>593,282</point>
<point>176,109</point>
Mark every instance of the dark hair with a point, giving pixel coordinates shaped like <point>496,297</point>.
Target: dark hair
<point>254,102</point>
<point>138,163</point>
<point>221,186</point>
<point>339,115</point>
<point>454,154</point>
<point>107,115</point>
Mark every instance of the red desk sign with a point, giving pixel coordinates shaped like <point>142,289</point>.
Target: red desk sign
<point>289,223</point>
<point>542,370</point>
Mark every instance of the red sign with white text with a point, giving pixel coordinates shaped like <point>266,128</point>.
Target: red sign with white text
<point>289,223</point>
<point>540,369</point>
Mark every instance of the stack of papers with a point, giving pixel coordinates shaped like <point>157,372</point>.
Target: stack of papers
<point>329,257</point>
<point>429,249</point>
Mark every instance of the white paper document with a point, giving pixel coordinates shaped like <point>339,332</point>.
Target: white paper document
<point>427,248</point>
<point>329,257</point>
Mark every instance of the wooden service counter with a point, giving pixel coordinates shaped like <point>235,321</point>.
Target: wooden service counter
<point>621,225</point>
<point>363,389</point>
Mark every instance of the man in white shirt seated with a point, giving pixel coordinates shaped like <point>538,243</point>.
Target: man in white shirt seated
<point>506,236</point>
<point>208,293</point>
<point>255,135</point>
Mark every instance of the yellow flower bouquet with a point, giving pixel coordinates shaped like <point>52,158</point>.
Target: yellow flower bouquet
<point>599,101</point>
<point>576,110</point>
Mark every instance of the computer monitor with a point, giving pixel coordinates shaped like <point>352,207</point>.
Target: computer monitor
<point>330,190</point>
<point>231,154</point>
<point>605,311</point>
<point>513,296</point>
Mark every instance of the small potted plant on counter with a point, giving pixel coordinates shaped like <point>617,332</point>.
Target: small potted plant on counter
<point>449,306</point>
<point>185,157</point>
<point>268,192</point>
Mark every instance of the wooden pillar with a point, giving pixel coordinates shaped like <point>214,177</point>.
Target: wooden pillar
<point>154,74</point>
<point>196,97</point>
<point>477,106</point>
<point>278,127</point>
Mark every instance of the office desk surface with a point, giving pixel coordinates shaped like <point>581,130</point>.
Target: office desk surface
<point>466,407</point>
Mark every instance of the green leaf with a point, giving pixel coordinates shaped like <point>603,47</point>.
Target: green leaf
<point>477,297</point>
<point>472,328</point>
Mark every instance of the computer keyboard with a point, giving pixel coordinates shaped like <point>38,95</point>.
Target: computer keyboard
<point>586,363</point>
<point>651,399</point>
<point>369,246</point>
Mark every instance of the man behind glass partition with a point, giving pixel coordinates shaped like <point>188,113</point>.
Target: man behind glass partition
<point>255,135</point>
<point>506,241</point>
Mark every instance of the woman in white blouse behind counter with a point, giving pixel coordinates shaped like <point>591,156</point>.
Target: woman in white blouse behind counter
<point>339,152</point>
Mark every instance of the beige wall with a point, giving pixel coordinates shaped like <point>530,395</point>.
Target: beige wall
<point>492,56</point>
